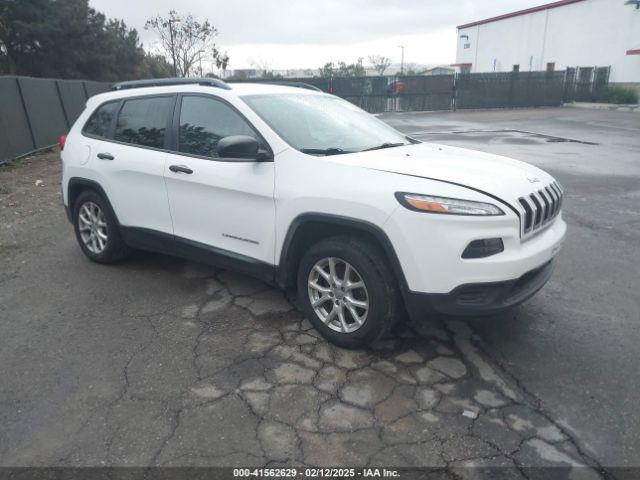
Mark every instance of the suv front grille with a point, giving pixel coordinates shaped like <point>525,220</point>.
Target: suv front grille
<point>539,208</point>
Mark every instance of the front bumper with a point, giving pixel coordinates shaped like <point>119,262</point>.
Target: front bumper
<point>430,249</point>
<point>480,298</point>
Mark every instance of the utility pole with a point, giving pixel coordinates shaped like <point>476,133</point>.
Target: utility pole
<point>401,60</point>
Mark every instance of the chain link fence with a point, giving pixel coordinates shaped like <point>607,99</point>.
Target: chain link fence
<point>582,83</point>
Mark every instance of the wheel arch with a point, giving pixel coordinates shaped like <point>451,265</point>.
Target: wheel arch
<point>309,228</point>
<point>76,186</point>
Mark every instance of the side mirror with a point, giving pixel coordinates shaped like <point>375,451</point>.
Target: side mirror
<point>241,147</point>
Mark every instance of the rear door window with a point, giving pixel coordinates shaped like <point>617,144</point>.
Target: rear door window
<point>99,123</point>
<point>143,121</point>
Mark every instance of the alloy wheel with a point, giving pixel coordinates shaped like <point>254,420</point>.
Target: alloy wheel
<point>92,226</point>
<point>338,295</point>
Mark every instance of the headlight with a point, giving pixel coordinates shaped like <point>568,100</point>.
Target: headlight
<point>447,206</point>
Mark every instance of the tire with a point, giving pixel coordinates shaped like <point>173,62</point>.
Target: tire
<point>366,264</point>
<point>107,245</point>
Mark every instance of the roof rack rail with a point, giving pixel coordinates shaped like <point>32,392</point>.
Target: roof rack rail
<point>167,82</point>
<point>284,83</point>
<point>306,86</point>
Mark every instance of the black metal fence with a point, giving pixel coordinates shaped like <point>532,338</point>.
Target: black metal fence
<point>463,90</point>
<point>582,83</point>
<point>36,111</point>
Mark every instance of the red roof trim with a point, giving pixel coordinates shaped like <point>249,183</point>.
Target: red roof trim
<point>634,52</point>
<point>539,8</point>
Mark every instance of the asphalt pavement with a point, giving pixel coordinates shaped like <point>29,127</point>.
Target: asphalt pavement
<point>158,361</point>
<point>576,346</point>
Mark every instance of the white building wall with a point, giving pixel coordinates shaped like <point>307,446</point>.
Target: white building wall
<point>587,33</point>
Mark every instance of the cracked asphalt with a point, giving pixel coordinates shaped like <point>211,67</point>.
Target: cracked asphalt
<point>158,361</point>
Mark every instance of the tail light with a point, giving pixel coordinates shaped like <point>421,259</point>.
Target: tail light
<point>62,141</point>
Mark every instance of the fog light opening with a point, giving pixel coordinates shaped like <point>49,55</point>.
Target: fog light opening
<point>483,248</point>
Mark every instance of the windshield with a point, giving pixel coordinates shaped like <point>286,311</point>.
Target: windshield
<point>322,124</point>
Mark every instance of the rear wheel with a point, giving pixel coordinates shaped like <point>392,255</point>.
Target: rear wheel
<point>97,229</point>
<point>348,291</point>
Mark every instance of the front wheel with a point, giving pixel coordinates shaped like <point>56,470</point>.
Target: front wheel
<point>348,291</point>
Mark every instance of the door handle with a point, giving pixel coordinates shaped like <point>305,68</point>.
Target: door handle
<point>181,169</point>
<point>105,156</point>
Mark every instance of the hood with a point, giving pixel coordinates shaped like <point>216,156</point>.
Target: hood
<point>503,177</point>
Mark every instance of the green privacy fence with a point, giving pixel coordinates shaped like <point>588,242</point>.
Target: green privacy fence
<point>509,90</point>
<point>36,111</point>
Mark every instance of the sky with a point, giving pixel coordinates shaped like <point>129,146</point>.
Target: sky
<point>287,34</point>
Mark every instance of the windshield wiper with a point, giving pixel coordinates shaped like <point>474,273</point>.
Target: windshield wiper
<point>324,151</point>
<point>384,145</point>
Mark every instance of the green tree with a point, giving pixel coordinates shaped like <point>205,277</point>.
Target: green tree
<point>66,39</point>
<point>24,28</point>
<point>271,75</point>
<point>222,59</point>
<point>342,69</point>
<point>328,70</point>
<point>156,66</point>
<point>352,69</point>
<point>118,54</point>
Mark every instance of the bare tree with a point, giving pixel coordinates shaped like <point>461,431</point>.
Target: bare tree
<point>222,60</point>
<point>379,63</point>
<point>183,40</point>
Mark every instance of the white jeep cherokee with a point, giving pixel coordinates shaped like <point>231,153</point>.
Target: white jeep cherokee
<point>304,190</point>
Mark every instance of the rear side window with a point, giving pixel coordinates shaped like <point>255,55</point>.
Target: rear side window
<point>204,121</point>
<point>143,121</point>
<point>99,123</point>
